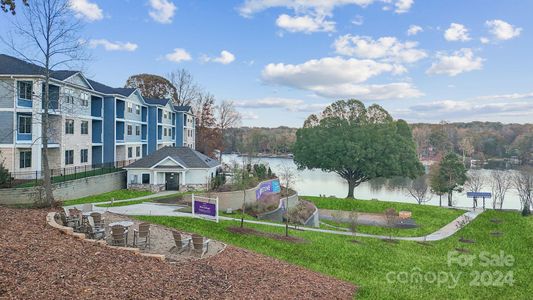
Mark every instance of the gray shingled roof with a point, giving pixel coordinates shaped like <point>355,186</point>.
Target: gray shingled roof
<point>154,101</point>
<point>184,108</point>
<point>186,156</point>
<point>10,65</point>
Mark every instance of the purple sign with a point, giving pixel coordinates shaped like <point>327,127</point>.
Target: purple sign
<point>268,186</point>
<point>204,208</point>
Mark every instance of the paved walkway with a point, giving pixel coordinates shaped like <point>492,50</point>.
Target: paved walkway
<point>155,209</point>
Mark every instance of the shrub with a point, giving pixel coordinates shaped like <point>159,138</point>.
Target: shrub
<point>301,212</point>
<point>4,174</point>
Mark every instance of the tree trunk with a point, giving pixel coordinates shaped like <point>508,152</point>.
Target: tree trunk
<point>351,187</point>
<point>243,207</point>
<point>440,200</point>
<point>450,203</point>
<point>287,214</point>
<point>47,179</point>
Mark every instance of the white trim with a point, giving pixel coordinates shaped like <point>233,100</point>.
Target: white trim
<point>168,157</point>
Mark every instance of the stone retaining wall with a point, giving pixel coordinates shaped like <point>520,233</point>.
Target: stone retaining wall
<point>67,190</point>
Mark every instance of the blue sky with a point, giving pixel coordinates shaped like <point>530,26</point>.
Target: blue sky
<point>280,60</point>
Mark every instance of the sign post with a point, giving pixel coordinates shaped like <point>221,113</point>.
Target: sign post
<point>476,195</point>
<point>205,208</point>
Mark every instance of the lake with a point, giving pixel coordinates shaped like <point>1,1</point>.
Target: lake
<point>317,182</point>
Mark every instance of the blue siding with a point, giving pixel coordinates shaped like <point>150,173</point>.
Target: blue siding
<point>96,106</point>
<point>119,133</point>
<point>109,129</point>
<point>121,107</point>
<point>97,127</point>
<point>179,128</point>
<point>97,155</point>
<point>152,129</point>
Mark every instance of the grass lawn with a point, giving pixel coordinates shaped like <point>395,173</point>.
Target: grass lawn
<point>118,195</point>
<point>429,218</point>
<point>367,264</point>
<point>133,202</point>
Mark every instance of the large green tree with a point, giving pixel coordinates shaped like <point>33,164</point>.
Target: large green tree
<point>358,143</point>
<point>452,175</point>
<point>10,5</point>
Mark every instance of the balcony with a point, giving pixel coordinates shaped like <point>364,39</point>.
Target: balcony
<point>96,106</point>
<point>97,131</point>
<point>121,107</point>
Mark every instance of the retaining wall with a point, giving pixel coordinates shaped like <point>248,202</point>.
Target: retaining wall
<point>231,200</point>
<point>67,190</point>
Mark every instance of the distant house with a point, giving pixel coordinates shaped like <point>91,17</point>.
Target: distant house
<point>172,168</point>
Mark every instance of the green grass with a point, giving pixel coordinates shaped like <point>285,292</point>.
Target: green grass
<point>118,195</point>
<point>429,218</point>
<point>124,203</point>
<point>367,265</point>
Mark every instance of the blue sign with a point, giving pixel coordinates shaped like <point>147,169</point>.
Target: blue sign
<point>268,186</point>
<point>478,195</point>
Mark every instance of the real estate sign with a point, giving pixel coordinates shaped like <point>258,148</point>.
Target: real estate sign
<point>272,186</point>
<point>203,207</point>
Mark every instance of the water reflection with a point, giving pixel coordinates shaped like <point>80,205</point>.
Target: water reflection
<point>316,182</point>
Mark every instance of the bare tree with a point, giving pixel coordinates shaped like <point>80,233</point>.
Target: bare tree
<point>47,35</point>
<point>474,183</point>
<point>500,182</point>
<point>353,218</point>
<point>287,176</point>
<point>227,117</point>
<point>187,91</point>
<point>419,189</point>
<point>523,182</point>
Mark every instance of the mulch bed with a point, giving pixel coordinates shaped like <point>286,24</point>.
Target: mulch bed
<point>39,262</point>
<point>467,241</point>
<point>279,237</point>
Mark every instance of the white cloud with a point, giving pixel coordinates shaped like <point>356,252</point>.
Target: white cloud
<point>403,6</point>
<point>502,30</point>
<point>85,9</point>
<point>358,20</point>
<point>468,109</point>
<point>456,32</point>
<point>162,11</point>
<point>414,30</point>
<point>388,49</point>
<point>456,63</point>
<point>178,55</point>
<point>397,90</point>
<point>306,24</point>
<point>320,7</point>
<point>290,104</point>
<point>339,77</point>
<point>224,58</point>
<point>113,46</point>
<point>249,115</point>
<point>512,96</point>
<point>484,40</point>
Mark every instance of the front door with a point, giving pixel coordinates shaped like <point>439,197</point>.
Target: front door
<point>172,182</point>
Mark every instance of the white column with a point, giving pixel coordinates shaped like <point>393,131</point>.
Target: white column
<point>36,128</point>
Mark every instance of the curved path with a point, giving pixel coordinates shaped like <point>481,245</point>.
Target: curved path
<point>153,209</point>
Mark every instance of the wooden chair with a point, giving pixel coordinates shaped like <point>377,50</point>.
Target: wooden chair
<point>200,244</point>
<point>142,236</point>
<point>98,220</point>
<point>182,243</point>
<point>93,231</point>
<point>75,216</point>
<point>119,236</point>
<point>87,207</point>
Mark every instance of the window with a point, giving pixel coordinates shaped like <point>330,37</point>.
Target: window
<point>165,131</point>
<point>138,151</point>
<point>25,159</point>
<point>165,115</point>
<point>146,179</point>
<point>69,126</point>
<point>69,157</point>
<point>69,96</point>
<point>24,124</point>
<point>137,130</point>
<point>84,99</point>
<point>184,120</point>
<point>84,155</point>
<point>134,179</point>
<point>130,107</point>
<point>25,90</point>
<point>84,127</point>
<point>130,152</point>
<point>130,130</point>
<point>138,109</point>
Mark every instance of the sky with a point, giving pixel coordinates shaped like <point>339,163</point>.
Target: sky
<point>281,60</point>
